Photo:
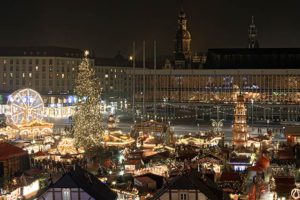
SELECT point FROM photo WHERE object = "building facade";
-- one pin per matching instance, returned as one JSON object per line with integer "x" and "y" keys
{"x": 49, "y": 70}
{"x": 268, "y": 79}
{"x": 78, "y": 184}
{"x": 190, "y": 186}
{"x": 52, "y": 72}
{"x": 273, "y": 93}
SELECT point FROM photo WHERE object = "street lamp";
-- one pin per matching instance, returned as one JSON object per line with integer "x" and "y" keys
{"x": 252, "y": 113}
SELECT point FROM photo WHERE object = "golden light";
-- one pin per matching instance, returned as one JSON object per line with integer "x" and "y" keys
{"x": 86, "y": 53}
{"x": 130, "y": 58}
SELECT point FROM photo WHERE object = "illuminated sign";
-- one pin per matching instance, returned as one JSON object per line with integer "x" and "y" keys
{"x": 33, "y": 187}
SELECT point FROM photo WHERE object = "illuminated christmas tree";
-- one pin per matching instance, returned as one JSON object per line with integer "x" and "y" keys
{"x": 88, "y": 129}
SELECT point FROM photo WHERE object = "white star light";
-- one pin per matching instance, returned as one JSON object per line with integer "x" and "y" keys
{"x": 86, "y": 53}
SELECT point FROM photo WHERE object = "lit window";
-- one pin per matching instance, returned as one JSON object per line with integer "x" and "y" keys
{"x": 73, "y": 69}
{"x": 106, "y": 75}
{"x": 184, "y": 196}
{"x": 30, "y": 75}
{"x": 11, "y": 75}
{"x": 36, "y": 68}
{"x": 23, "y": 75}
{"x": 4, "y": 62}
{"x": 66, "y": 194}
{"x": 62, "y": 75}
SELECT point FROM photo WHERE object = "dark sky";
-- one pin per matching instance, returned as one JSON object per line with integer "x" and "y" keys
{"x": 112, "y": 25}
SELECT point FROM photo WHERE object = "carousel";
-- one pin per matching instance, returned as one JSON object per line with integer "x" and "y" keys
{"x": 25, "y": 115}
{"x": 114, "y": 137}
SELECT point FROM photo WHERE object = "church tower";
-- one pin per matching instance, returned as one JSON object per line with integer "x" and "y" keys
{"x": 252, "y": 33}
{"x": 240, "y": 129}
{"x": 183, "y": 40}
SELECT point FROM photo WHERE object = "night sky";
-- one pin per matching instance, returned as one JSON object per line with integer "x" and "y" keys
{"x": 112, "y": 25}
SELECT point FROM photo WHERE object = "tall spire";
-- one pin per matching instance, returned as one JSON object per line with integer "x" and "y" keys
{"x": 183, "y": 38}
{"x": 252, "y": 33}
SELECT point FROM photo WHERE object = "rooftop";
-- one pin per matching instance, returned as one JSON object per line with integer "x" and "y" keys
{"x": 255, "y": 58}
{"x": 230, "y": 177}
{"x": 42, "y": 51}
{"x": 9, "y": 151}
{"x": 240, "y": 159}
{"x": 80, "y": 178}
{"x": 192, "y": 181}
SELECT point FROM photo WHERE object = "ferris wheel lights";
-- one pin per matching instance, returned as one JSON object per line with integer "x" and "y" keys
{"x": 26, "y": 105}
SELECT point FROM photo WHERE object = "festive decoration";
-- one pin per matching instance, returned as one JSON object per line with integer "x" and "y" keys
{"x": 295, "y": 193}
{"x": 217, "y": 125}
{"x": 87, "y": 128}
{"x": 117, "y": 139}
{"x": 240, "y": 129}
{"x": 66, "y": 146}
{"x": 25, "y": 106}
{"x": 25, "y": 116}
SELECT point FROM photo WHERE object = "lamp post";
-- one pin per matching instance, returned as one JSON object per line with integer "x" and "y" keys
{"x": 252, "y": 101}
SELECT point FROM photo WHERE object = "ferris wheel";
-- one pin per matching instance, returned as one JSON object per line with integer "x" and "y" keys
{"x": 25, "y": 105}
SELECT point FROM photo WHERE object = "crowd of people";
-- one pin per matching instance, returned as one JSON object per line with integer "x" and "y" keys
{"x": 58, "y": 166}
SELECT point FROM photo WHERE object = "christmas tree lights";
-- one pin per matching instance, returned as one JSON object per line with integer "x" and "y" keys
{"x": 88, "y": 129}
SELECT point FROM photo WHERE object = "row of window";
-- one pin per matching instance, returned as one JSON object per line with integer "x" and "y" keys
{"x": 50, "y": 68}
{"x": 107, "y": 71}
{"x": 37, "y": 83}
{"x": 42, "y": 61}
{"x": 29, "y": 75}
